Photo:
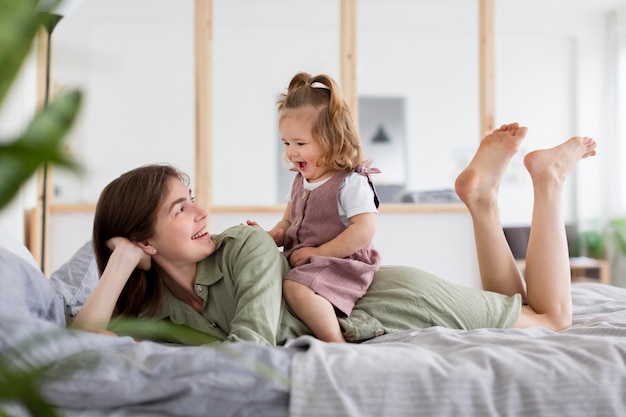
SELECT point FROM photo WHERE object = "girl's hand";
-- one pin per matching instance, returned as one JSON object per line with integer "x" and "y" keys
{"x": 299, "y": 256}
{"x": 277, "y": 234}
{"x": 143, "y": 260}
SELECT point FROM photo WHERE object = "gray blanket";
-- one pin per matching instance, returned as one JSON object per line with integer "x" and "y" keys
{"x": 97, "y": 375}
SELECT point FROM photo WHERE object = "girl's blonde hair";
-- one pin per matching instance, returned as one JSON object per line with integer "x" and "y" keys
{"x": 334, "y": 128}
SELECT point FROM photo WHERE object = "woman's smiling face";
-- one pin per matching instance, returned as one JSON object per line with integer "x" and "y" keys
{"x": 181, "y": 234}
{"x": 301, "y": 149}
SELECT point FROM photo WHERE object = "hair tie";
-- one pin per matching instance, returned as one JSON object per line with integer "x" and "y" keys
{"x": 318, "y": 84}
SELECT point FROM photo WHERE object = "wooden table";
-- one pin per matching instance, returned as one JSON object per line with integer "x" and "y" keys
{"x": 583, "y": 269}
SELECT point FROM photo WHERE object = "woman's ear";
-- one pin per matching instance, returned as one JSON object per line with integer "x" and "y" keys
{"x": 147, "y": 248}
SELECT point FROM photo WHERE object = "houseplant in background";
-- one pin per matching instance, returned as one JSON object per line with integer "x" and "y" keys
{"x": 42, "y": 140}
{"x": 605, "y": 240}
{"x": 40, "y": 143}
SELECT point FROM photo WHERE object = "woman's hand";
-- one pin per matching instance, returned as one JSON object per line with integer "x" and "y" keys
{"x": 98, "y": 308}
{"x": 144, "y": 261}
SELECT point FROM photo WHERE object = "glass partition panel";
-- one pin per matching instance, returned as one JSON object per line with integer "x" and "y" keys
{"x": 424, "y": 54}
{"x": 134, "y": 61}
{"x": 258, "y": 46}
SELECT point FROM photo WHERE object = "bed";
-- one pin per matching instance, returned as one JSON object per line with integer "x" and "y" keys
{"x": 424, "y": 372}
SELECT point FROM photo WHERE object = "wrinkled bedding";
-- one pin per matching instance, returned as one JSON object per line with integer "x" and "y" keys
{"x": 489, "y": 372}
{"x": 429, "y": 372}
{"x": 95, "y": 375}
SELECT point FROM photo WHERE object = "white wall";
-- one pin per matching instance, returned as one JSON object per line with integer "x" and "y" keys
{"x": 550, "y": 75}
{"x": 417, "y": 240}
{"x": 16, "y": 113}
{"x": 134, "y": 61}
{"x": 441, "y": 243}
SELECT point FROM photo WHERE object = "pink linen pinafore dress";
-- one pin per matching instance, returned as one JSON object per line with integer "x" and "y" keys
{"x": 315, "y": 220}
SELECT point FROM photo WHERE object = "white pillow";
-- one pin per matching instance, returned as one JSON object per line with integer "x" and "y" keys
{"x": 10, "y": 243}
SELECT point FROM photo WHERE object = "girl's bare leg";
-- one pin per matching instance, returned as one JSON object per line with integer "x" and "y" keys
{"x": 477, "y": 186}
{"x": 314, "y": 310}
{"x": 548, "y": 273}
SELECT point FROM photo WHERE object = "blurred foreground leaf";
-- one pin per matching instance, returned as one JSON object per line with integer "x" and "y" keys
{"x": 42, "y": 142}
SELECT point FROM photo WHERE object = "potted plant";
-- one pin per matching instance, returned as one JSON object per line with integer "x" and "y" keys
{"x": 20, "y": 157}
{"x": 606, "y": 240}
{"x": 42, "y": 141}
{"x": 603, "y": 239}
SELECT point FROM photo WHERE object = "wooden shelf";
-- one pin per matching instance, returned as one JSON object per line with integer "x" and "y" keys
{"x": 583, "y": 269}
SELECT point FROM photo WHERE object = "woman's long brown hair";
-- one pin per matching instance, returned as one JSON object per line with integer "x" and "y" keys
{"x": 128, "y": 208}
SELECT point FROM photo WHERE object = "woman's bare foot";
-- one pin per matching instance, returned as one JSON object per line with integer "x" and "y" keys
{"x": 556, "y": 163}
{"x": 478, "y": 183}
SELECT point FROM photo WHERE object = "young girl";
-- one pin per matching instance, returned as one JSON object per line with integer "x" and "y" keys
{"x": 330, "y": 220}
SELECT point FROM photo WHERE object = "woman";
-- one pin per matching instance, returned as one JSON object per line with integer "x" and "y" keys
{"x": 158, "y": 260}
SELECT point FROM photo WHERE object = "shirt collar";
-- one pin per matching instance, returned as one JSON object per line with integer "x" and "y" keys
{"x": 209, "y": 272}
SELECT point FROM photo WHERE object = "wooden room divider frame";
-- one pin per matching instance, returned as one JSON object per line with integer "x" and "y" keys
{"x": 203, "y": 22}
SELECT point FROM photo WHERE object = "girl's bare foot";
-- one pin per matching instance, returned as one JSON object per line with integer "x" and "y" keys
{"x": 556, "y": 163}
{"x": 479, "y": 182}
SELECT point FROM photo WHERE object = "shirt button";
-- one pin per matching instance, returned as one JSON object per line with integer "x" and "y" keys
{"x": 379, "y": 332}
{"x": 304, "y": 194}
{"x": 198, "y": 288}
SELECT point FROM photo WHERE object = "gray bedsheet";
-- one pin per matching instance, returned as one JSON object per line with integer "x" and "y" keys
{"x": 506, "y": 372}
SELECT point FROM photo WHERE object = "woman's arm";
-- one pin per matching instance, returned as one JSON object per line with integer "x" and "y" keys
{"x": 96, "y": 313}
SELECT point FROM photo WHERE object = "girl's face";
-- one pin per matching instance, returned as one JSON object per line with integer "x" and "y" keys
{"x": 304, "y": 152}
{"x": 180, "y": 236}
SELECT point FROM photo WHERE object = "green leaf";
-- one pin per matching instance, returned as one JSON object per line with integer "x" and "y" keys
{"x": 20, "y": 379}
{"x": 41, "y": 143}
{"x": 619, "y": 232}
{"x": 594, "y": 241}
{"x": 161, "y": 331}
{"x": 19, "y": 23}
{"x": 23, "y": 387}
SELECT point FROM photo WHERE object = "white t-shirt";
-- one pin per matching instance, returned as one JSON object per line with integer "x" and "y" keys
{"x": 355, "y": 196}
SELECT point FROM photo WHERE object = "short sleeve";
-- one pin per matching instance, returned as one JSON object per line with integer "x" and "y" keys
{"x": 356, "y": 196}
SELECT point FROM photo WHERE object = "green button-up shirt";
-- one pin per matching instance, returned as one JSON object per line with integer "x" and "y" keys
{"x": 241, "y": 288}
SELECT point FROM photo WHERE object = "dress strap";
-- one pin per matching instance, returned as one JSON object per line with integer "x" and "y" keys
{"x": 366, "y": 171}
{"x": 363, "y": 170}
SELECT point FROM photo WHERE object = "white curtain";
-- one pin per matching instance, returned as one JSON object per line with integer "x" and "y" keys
{"x": 616, "y": 78}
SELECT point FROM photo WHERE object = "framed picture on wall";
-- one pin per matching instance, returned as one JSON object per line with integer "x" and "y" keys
{"x": 383, "y": 137}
